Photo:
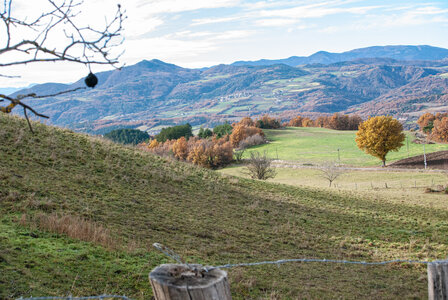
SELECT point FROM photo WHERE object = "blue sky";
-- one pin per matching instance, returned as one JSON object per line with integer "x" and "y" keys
{"x": 199, "y": 33}
{"x": 203, "y": 33}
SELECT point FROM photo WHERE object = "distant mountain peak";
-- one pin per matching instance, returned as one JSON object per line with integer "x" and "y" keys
{"x": 156, "y": 64}
{"x": 397, "y": 52}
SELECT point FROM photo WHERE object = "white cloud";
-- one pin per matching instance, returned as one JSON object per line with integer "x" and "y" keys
{"x": 174, "y": 6}
{"x": 411, "y": 17}
{"x": 205, "y": 21}
{"x": 275, "y": 22}
{"x": 176, "y": 48}
{"x": 137, "y": 26}
{"x": 314, "y": 11}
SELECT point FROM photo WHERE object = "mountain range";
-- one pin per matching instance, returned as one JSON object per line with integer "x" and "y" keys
{"x": 402, "y": 81}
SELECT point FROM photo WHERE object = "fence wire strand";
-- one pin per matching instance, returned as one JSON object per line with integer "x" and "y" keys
{"x": 77, "y": 298}
{"x": 172, "y": 254}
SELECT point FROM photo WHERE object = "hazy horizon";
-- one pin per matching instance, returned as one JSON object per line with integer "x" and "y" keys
{"x": 199, "y": 34}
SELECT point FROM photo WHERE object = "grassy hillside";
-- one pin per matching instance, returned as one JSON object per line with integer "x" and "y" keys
{"x": 315, "y": 145}
{"x": 58, "y": 187}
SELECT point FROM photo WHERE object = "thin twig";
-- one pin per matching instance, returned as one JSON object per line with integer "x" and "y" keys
{"x": 28, "y": 120}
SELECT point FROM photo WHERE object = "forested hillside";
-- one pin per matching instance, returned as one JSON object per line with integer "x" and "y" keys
{"x": 153, "y": 94}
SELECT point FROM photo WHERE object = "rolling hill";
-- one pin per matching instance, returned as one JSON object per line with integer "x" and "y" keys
{"x": 410, "y": 53}
{"x": 57, "y": 182}
{"x": 152, "y": 94}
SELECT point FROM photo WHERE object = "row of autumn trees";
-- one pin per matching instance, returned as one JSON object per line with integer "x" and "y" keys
{"x": 336, "y": 122}
{"x": 210, "y": 149}
{"x": 436, "y": 126}
{"x": 216, "y": 148}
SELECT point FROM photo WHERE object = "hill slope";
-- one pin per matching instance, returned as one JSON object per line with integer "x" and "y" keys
{"x": 135, "y": 199}
{"x": 392, "y": 52}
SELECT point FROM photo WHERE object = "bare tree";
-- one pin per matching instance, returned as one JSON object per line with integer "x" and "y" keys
{"x": 259, "y": 166}
{"x": 55, "y": 35}
{"x": 331, "y": 171}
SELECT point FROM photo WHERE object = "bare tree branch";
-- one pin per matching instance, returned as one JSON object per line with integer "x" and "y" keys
{"x": 83, "y": 44}
{"x": 36, "y": 46}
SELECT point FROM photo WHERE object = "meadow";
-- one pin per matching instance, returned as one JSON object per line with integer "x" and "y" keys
{"x": 316, "y": 145}
{"x": 388, "y": 185}
{"x": 132, "y": 199}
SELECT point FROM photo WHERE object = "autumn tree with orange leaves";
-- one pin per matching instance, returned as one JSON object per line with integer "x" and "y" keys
{"x": 241, "y": 132}
{"x": 440, "y": 130}
{"x": 180, "y": 148}
{"x": 426, "y": 122}
{"x": 379, "y": 135}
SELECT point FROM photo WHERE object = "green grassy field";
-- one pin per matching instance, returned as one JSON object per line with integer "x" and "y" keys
{"x": 205, "y": 216}
{"x": 315, "y": 145}
{"x": 388, "y": 185}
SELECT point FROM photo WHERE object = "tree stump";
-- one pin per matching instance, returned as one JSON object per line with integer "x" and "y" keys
{"x": 178, "y": 282}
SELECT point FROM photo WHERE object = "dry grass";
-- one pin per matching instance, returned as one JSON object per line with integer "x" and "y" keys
{"x": 72, "y": 226}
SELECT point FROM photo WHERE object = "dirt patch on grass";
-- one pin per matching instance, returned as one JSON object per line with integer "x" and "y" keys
{"x": 436, "y": 160}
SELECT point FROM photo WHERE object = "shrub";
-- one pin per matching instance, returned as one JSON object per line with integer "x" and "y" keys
{"x": 211, "y": 153}
{"x": 153, "y": 144}
{"x": 238, "y": 154}
{"x": 252, "y": 140}
{"x": 241, "y": 132}
{"x": 163, "y": 149}
{"x": 180, "y": 148}
{"x": 259, "y": 166}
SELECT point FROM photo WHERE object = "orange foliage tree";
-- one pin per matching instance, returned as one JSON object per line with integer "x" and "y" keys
{"x": 321, "y": 121}
{"x": 267, "y": 122}
{"x": 336, "y": 122}
{"x": 246, "y": 121}
{"x": 241, "y": 132}
{"x": 296, "y": 122}
{"x": 307, "y": 122}
{"x": 379, "y": 135}
{"x": 180, "y": 148}
{"x": 154, "y": 143}
{"x": 211, "y": 153}
{"x": 440, "y": 130}
{"x": 426, "y": 122}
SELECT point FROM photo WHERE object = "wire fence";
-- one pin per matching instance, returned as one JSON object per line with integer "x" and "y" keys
{"x": 78, "y": 298}
{"x": 170, "y": 253}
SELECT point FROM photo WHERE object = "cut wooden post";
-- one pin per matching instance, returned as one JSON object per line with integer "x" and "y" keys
{"x": 438, "y": 280}
{"x": 178, "y": 282}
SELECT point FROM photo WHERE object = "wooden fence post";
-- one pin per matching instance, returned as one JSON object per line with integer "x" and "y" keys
{"x": 178, "y": 282}
{"x": 438, "y": 280}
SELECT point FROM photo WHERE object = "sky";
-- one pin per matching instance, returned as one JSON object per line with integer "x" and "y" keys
{"x": 203, "y": 33}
